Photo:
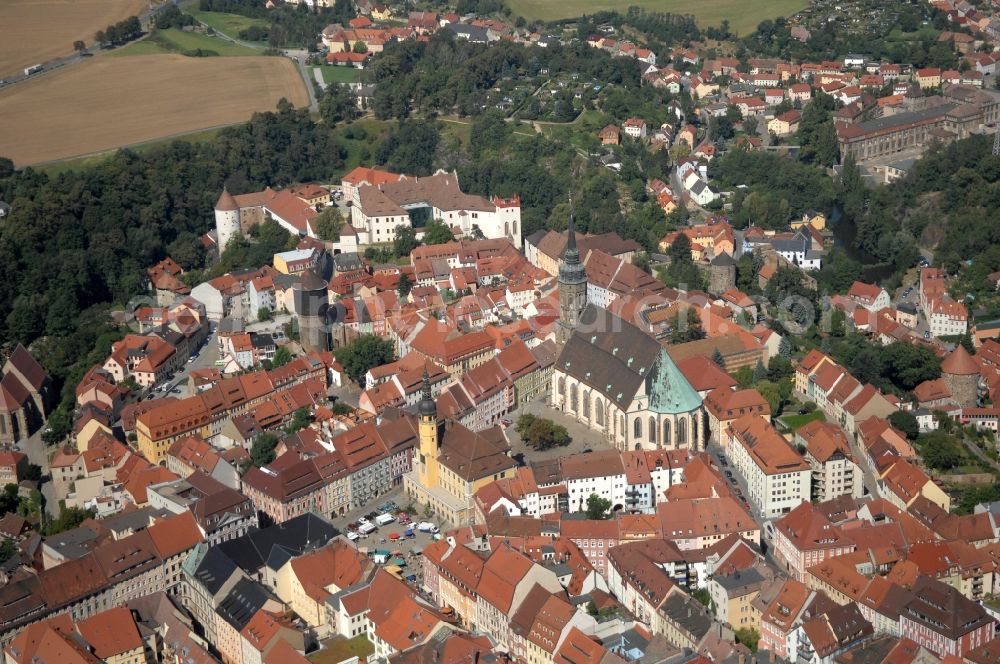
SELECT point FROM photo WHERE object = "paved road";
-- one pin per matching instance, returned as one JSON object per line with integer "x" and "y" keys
{"x": 310, "y": 89}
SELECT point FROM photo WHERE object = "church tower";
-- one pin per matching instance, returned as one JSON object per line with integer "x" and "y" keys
{"x": 428, "y": 432}
{"x": 572, "y": 287}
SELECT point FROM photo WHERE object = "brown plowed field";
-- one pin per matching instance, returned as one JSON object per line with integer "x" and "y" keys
{"x": 112, "y": 102}
{"x": 35, "y": 31}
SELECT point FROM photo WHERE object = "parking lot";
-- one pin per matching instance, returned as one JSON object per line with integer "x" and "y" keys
{"x": 406, "y": 549}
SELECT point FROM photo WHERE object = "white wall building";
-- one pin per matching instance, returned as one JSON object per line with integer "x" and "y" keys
{"x": 413, "y": 201}
{"x": 777, "y": 477}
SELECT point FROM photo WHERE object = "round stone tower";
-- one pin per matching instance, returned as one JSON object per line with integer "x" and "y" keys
{"x": 227, "y": 219}
{"x": 961, "y": 373}
{"x": 721, "y": 274}
{"x": 309, "y": 296}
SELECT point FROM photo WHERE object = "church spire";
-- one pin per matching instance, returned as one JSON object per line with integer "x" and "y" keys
{"x": 572, "y": 284}
{"x": 571, "y": 234}
{"x": 571, "y": 271}
{"x": 427, "y": 406}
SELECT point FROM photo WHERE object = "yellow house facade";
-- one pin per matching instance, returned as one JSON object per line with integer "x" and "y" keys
{"x": 453, "y": 463}
{"x": 810, "y": 218}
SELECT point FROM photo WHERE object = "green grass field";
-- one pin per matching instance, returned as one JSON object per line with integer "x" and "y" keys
{"x": 794, "y": 422}
{"x": 343, "y": 75}
{"x": 177, "y": 41}
{"x": 229, "y": 24}
{"x": 743, "y": 15}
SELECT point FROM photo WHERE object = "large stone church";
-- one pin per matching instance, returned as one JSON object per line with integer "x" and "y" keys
{"x": 614, "y": 378}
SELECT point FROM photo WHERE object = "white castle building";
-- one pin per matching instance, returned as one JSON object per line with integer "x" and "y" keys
{"x": 236, "y": 214}
{"x": 413, "y": 201}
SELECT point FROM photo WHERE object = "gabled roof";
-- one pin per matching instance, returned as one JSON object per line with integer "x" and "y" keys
{"x": 111, "y": 633}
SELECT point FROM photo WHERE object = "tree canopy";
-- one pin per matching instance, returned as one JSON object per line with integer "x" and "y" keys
{"x": 364, "y": 353}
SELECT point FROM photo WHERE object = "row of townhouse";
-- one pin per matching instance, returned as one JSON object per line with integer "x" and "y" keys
{"x": 339, "y": 472}
{"x": 515, "y": 376}
{"x": 168, "y": 336}
{"x": 226, "y": 587}
{"x": 111, "y": 574}
{"x": 205, "y": 413}
{"x": 522, "y": 594}
{"x": 634, "y": 481}
{"x": 838, "y": 394}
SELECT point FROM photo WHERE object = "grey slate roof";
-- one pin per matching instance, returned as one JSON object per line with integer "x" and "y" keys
{"x": 242, "y": 603}
{"x": 214, "y": 570}
{"x": 609, "y": 354}
{"x": 295, "y": 536}
{"x": 688, "y": 613}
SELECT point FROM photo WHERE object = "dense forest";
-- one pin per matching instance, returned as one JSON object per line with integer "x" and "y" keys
{"x": 948, "y": 201}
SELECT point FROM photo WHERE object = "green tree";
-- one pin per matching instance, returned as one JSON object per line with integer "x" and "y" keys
{"x": 749, "y": 637}
{"x": 265, "y": 314}
{"x": 8, "y": 499}
{"x": 301, "y": 418}
{"x": 598, "y": 508}
{"x": 405, "y": 242}
{"x": 262, "y": 450}
{"x": 360, "y": 47}
{"x": 282, "y": 356}
{"x": 524, "y": 423}
{"x": 437, "y": 232}
{"x": 687, "y": 329}
{"x": 940, "y": 450}
{"x": 759, "y": 372}
{"x": 405, "y": 285}
{"x": 743, "y": 377}
{"x": 543, "y": 434}
{"x": 79, "y": 46}
{"x": 718, "y": 359}
{"x": 7, "y": 550}
{"x": 364, "y": 353}
{"x": 328, "y": 224}
{"x": 772, "y": 394}
{"x": 68, "y": 519}
{"x": 906, "y": 422}
{"x": 491, "y": 131}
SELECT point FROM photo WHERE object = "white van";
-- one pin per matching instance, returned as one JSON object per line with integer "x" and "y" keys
{"x": 384, "y": 519}
{"x": 366, "y": 528}
{"x": 427, "y": 527}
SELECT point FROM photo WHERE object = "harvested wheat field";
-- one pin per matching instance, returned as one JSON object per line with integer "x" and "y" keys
{"x": 113, "y": 102}
{"x": 35, "y": 31}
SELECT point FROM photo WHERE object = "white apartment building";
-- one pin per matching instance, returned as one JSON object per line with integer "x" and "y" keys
{"x": 778, "y": 479}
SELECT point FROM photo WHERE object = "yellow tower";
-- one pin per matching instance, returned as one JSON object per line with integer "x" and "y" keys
{"x": 428, "y": 430}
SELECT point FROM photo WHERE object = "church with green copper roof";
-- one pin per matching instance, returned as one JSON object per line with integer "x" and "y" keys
{"x": 621, "y": 382}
